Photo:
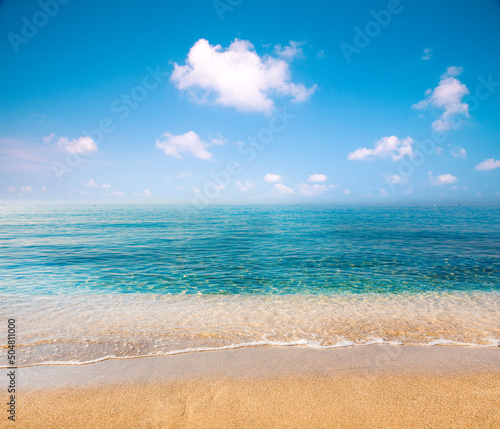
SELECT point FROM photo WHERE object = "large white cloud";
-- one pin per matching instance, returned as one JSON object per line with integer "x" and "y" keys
{"x": 387, "y": 146}
{"x": 189, "y": 142}
{"x": 237, "y": 77}
{"x": 488, "y": 164}
{"x": 448, "y": 97}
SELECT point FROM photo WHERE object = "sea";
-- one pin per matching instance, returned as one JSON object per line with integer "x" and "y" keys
{"x": 86, "y": 283}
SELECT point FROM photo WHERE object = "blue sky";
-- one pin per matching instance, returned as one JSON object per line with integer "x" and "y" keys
{"x": 250, "y": 102}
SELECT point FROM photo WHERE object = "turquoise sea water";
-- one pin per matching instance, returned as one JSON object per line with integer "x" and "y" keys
{"x": 94, "y": 282}
{"x": 249, "y": 249}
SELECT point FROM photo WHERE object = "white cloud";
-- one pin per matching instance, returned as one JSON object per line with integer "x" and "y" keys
{"x": 247, "y": 186}
{"x": 43, "y": 189}
{"x": 387, "y": 146}
{"x": 396, "y": 179}
{"x": 321, "y": 54}
{"x": 93, "y": 184}
{"x": 184, "y": 175}
{"x": 26, "y": 189}
{"x": 383, "y": 192}
{"x": 447, "y": 96}
{"x": 49, "y": 138}
{"x": 288, "y": 53}
{"x": 146, "y": 193}
{"x": 442, "y": 179}
{"x": 316, "y": 189}
{"x": 237, "y": 77}
{"x": 11, "y": 189}
{"x": 488, "y": 164}
{"x": 189, "y": 142}
{"x": 427, "y": 54}
{"x": 269, "y": 177}
{"x": 285, "y": 190}
{"x": 459, "y": 152}
{"x": 317, "y": 178}
{"x": 81, "y": 145}
{"x": 118, "y": 194}
{"x": 346, "y": 191}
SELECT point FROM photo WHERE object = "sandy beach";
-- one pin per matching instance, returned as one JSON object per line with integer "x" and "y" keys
{"x": 270, "y": 387}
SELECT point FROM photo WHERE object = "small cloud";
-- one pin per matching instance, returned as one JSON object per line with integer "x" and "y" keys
{"x": 427, "y": 54}
{"x": 387, "y": 146}
{"x": 11, "y": 189}
{"x": 284, "y": 190}
{"x": 447, "y": 96}
{"x": 247, "y": 186}
{"x": 290, "y": 52}
{"x": 442, "y": 179}
{"x": 81, "y": 145}
{"x": 26, "y": 189}
{"x": 195, "y": 189}
{"x": 488, "y": 164}
{"x": 49, "y": 138}
{"x": 316, "y": 189}
{"x": 408, "y": 191}
{"x": 189, "y": 142}
{"x": 184, "y": 175}
{"x": 118, "y": 194}
{"x": 93, "y": 184}
{"x": 269, "y": 177}
{"x": 459, "y": 152}
{"x": 321, "y": 54}
{"x": 317, "y": 178}
{"x": 396, "y": 179}
{"x": 383, "y": 192}
{"x": 43, "y": 189}
{"x": 346, "y": 191}
{"x": 146, "y": 193}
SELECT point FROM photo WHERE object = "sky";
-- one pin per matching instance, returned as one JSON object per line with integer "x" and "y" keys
{"x": 239, "y": 101}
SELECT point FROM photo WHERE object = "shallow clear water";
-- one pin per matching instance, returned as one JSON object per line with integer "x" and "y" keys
{"x": 89, "y": 282}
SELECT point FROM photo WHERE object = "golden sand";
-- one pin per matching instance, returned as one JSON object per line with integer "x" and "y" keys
{"x": 442, "y": 387}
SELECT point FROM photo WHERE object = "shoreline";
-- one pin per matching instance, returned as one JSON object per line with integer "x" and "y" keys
{"x": 371, "y": 386}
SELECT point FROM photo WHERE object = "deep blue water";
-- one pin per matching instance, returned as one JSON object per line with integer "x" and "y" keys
{"x": 248, "y": 249}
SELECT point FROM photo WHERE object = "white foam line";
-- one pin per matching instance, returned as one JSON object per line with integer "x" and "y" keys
{"x": 310, "y": 344}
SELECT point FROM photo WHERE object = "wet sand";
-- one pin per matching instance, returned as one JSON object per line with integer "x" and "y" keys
{"x": 269, "y": 387}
